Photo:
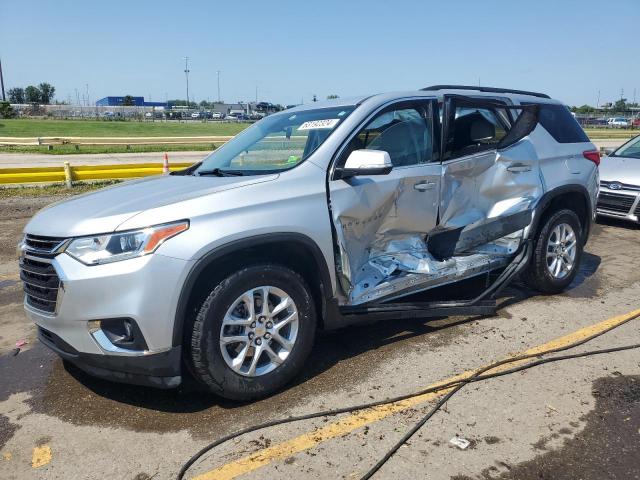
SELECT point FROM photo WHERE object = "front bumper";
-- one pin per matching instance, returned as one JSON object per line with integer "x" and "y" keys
{"x": 144, "y": 289}
{"x": 160, "y": 370}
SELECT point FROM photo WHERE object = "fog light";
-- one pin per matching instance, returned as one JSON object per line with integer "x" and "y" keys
{"x": 123, "y": 333}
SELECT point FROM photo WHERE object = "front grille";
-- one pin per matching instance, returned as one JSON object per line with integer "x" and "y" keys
{"x": 620, "y": 185}
{"x": 45, "y": 247}
{"x": 39, "y": 277}
{"x": 615, "y": 202}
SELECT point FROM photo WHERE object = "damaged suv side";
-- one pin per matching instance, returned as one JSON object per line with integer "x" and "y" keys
{"x": 317, "y": 217}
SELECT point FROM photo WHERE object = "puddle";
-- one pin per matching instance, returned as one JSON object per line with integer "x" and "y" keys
{"x": 607, "y": 447}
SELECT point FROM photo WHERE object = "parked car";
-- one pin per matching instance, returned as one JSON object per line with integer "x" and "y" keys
{"x": 636, "y": 122}
{"x": 618, "y": 122}
{"x": 620, "y": 182}
{"x": 318, "y": 217}
{"x": 217, "y": 115}
{"x": 195, "y": 115}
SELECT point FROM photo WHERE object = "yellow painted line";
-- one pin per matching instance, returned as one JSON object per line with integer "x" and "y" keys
{"x": 41, "y": 456}
{"x": 359, "y": 419}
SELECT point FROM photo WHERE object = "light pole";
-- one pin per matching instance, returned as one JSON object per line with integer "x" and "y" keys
{"x": 186, "y": 73}
{"x": 218, "y": 86}
{"x": 4, "y": 98}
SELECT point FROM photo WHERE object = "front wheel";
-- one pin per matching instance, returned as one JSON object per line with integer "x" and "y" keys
{"x": 253, "y": 332}
{"x": 557, "y": 253}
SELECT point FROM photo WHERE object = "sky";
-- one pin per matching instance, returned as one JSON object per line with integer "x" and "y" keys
{"x": 291, "y": 50}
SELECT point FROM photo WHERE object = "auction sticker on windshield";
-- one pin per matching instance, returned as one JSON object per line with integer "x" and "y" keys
{"x": 316, "y": 124}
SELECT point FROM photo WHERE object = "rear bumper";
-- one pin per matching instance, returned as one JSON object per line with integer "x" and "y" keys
{"x": 159, "y": 370}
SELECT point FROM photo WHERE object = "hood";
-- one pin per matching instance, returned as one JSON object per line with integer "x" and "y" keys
{"x": 103, "y": 210}
{"x": 620, "y": 169}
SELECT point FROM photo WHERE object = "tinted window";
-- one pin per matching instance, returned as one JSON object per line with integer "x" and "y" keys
{"x": 475, "y": 130}
{"x": 558, "y": 121}
{"x": 404, "y": 133}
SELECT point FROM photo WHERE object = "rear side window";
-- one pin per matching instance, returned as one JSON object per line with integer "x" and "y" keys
{"x": 558, "y": 121}
{"x": 475, "y": 129}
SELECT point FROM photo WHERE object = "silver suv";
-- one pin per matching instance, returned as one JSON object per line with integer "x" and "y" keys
{"x": 317, "y": 217}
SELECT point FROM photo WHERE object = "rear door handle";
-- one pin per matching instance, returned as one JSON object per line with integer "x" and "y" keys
{"x": 424, "y": 186}
{"x": 519, "y": 167}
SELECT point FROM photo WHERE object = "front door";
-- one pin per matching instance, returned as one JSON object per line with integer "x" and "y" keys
{"x": 370, "y": 212}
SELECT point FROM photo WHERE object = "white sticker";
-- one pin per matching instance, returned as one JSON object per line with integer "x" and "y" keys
{"x": 316, "y": 124}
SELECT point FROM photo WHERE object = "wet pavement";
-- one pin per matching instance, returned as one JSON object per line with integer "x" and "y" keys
{"x": 578, "y": 419}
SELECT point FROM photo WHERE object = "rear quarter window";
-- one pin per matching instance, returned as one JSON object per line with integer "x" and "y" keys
{"x": 561, "y": 125}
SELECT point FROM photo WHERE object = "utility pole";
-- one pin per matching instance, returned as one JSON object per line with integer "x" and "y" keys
{"x": 186, "y": 73}
{"x": 87, "y": 85}
{"x": 256, "y": 94}
{"x": 598, "y": 102}
{"x": 4, "y": 98}
{"x": 218, "y": 71}
{"x": 77, "y": 97}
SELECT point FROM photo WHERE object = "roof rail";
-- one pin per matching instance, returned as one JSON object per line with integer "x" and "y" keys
{"x": 484, "y": 89}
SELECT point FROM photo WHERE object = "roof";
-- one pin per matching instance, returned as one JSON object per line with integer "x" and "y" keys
{"x": 485, "y": 89}
{"x": 430, "y": 92}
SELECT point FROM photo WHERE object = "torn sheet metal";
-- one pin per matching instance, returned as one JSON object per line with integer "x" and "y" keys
{"x": 373, "y": 286}
{"x": 405, "y": 265}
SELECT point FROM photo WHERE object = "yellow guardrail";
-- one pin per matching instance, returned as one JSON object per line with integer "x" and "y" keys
{"x": 68, "y": 173}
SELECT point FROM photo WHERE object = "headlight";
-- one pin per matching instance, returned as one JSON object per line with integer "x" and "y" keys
{"x": 98, "y": 249}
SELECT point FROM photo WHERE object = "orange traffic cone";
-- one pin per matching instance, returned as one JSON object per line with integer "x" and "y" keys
{"x": 165, "y": 164}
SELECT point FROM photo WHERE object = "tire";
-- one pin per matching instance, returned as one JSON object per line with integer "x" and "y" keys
{"x": 540, "y": 274}
{"x": 210, "y": 363}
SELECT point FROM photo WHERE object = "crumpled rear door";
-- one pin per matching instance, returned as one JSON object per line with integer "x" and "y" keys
{"x": 490, "y": 174}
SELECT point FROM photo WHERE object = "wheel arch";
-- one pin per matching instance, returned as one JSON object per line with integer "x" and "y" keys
{"x": 575, "y": 197}
{"x": 294, "y": 250}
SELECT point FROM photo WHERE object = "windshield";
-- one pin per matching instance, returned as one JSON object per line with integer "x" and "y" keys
{"x": 631, "y": 149}
{"x": 275, "y": 143}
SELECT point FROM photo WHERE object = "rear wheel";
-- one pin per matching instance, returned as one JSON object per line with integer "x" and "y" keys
{"x": 557, "y": 253}
{"x": 253, "y": 332}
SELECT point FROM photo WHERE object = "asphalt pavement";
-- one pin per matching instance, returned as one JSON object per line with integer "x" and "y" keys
{"x": 574, "y": 419}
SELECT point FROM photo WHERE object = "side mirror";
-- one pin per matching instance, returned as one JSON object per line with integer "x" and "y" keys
{"x": 365, "y": 162}
{"x": 608, "y": 150}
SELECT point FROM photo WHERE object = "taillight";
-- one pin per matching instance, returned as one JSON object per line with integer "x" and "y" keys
{"x": 593, "y": 155}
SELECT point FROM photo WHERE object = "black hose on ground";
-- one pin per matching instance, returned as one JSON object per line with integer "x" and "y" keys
{"x": 457, "y": 386}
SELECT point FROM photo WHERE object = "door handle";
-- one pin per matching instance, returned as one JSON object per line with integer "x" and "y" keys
{"x": 424, "y": 186}
{"x": 519, "y": 167}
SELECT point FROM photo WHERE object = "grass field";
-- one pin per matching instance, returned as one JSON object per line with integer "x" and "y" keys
{"x": 102, "y": 128}
{"x": 612, "y": 133}
{"x": 82, "y": 149}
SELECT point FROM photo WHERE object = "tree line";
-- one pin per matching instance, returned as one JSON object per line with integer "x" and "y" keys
{"x": 42, "y": 94}
{"x": 619, "y": 106}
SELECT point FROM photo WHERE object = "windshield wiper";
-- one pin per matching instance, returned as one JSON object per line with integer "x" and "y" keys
{"x": 218, "y": 172}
